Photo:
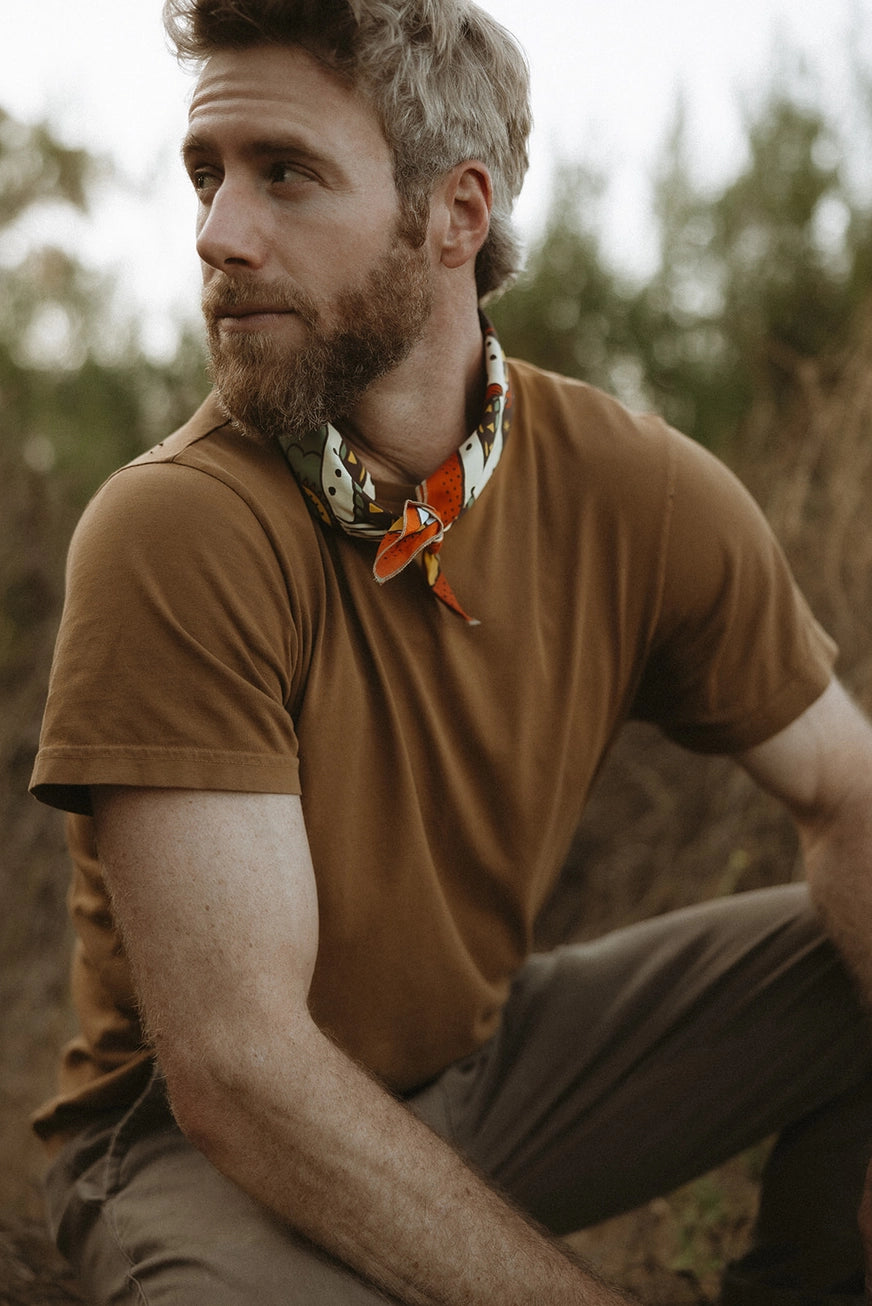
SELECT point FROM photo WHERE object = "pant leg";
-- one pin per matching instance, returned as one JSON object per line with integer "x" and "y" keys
{"x": 806, "y": 1241}
{"x": 145, "y": 1219}
{"x": 629, "y": 1065}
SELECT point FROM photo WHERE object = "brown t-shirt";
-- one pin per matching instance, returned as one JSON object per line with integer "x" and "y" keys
{"x": 216, "y": 636}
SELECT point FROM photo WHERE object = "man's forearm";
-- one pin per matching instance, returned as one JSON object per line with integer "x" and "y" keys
{"x": 354, "y": 1171}
{"x": 216, "y": 895}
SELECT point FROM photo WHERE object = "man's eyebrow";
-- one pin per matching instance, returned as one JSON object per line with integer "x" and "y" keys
{"x": 268, "y": 147}
{"x": 193, "y": 145}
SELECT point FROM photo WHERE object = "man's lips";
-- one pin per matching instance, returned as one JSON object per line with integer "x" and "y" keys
{"x": 252, "y": 315}
{"x": 230, "y": 306}
{"x": 250, "y": 310}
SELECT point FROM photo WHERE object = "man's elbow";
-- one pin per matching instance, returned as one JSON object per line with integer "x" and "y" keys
{"x": 201, "y": 1089}
{"x": 215, "y": 1086}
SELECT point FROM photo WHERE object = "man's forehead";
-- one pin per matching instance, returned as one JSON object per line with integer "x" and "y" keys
{"x": 273, "y": 92}
{"x": 278, "y": 76}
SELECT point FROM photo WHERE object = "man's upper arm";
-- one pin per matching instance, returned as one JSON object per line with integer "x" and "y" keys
{"x": 215, "y": 896}
{"x": 819, "y": 764}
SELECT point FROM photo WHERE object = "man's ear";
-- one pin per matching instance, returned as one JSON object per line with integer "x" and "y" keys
{"x": 464, "y": 198}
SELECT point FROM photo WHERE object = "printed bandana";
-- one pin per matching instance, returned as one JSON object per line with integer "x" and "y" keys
{"x": 340, "y": 491}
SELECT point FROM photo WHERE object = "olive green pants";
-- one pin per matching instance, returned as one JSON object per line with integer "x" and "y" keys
{"x": 622, "y": 1068}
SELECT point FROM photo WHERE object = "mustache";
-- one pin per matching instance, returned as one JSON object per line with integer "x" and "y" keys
{"x": 224, "y": 295}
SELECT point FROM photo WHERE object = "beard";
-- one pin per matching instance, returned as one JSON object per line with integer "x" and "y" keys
{"x": 266, "y": 386}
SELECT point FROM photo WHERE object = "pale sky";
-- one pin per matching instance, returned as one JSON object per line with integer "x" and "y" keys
{"x": 606, "y": 74}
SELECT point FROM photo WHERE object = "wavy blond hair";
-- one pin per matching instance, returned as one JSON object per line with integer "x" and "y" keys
{"x": 447, "y": 81}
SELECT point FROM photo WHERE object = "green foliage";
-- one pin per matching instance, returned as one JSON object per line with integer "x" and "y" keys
{"x": 78, "y": 395}
{"x": 568, "y": 310}
{"x": 750, "y": 281}
{"x": 36, "y": 168}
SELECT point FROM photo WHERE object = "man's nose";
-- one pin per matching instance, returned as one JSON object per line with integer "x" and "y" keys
{"x": 230, "y": 231}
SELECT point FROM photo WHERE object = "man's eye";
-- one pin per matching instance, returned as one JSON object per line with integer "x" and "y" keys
{"x": 282, "y": 173}
{"x": 203, "y": 179}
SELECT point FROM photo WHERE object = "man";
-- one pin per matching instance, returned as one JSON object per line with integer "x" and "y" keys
{"x": 326, "y": 724}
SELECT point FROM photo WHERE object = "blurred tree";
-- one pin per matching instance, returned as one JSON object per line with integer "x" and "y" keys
{"x": 750, "y": 280}
{"x": 36, "y": 168}
{"x": 567, "y": 310}
{"x": 79, "y": 394}
{"x": 695, "y": 374}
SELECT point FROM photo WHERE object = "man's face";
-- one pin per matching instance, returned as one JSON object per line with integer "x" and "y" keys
{"x": 311, "y": 291}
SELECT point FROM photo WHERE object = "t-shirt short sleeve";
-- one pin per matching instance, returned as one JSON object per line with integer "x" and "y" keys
{"x": 737, "y": 654}
{"x": 175, "y": 656}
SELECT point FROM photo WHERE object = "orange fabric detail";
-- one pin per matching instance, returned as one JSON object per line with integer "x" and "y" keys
{"x": 417, "y": 529}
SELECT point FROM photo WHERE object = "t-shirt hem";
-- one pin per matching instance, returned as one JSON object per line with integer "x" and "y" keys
{"x": 758, "y": 726}
{"x": 63, "y": 776}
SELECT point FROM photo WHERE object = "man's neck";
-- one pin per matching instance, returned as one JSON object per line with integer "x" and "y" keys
{"x": 411, "y": 420}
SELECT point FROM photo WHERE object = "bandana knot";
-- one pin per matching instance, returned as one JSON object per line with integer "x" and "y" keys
{"x": 420, "y": 527}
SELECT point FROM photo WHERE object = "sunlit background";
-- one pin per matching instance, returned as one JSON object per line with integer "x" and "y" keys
{"x": 607, "y": 78}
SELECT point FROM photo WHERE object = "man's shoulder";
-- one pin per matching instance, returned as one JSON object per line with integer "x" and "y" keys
{"x": 208, "y": 419}
{"x": 544, "y": 397}
{"x": 205, "y": 482}
{"x": 599, "y": 431}
{"x": 577, "y": 432}
{"x": 202, "y": 460}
